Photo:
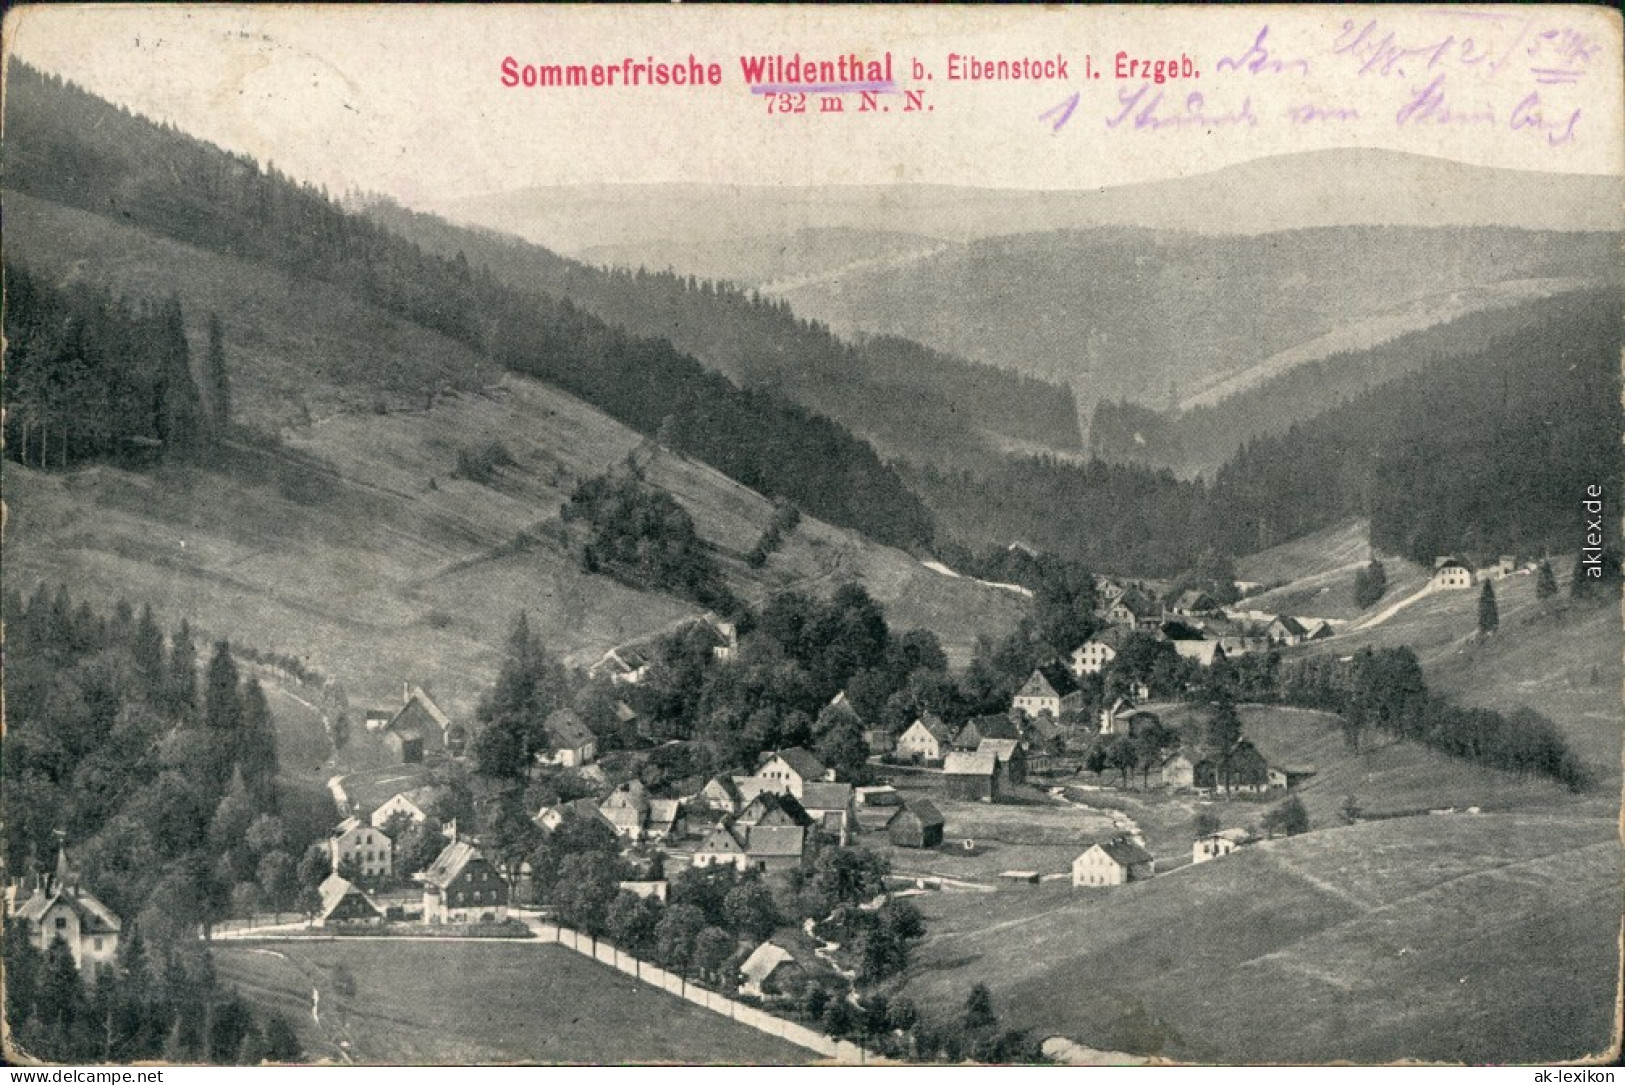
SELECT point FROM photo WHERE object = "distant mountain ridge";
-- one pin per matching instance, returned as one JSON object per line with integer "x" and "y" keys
{"x": 1285, "y": 192}
{"x": 1153, "y": 316}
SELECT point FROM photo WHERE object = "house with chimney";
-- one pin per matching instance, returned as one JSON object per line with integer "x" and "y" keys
{"x": 56, "y": 905}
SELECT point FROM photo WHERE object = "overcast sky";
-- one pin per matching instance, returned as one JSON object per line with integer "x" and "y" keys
{"x": 408, "y": 101}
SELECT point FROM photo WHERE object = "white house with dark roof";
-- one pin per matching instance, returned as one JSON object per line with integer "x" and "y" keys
{"x": 570, "y": 742}
{"x": 627, "y": 809}
{"x": 59, "y": 907}
{"x": 625, "y": 665}
{"x": 1113, "y": 862}
{"x": 790, "y": 771}
{"x": 1092, "y": 656}
{"x": 1287, "y": 630}
{"x": 1049, "y": 689}
{"x": 927, "y": 739}
{"x": 723, "y": 847}
{"x": 1452, "y": 574}
{"x": 1221, "y": 843}
{"x": 551, "y": 817}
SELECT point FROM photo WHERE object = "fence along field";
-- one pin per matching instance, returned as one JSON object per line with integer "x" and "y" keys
{"x": 461, "y": 1001}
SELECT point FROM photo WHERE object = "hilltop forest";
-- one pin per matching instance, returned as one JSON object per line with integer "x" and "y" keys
{"x": 75, "y": 149}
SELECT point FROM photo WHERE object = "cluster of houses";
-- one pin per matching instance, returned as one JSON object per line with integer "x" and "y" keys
{"x": 628, "y": 664}
{"x": 419, "y": 732}
{"x": 460, "y": 886}
{"x": 765, "y": 820}
{"x": 1194, "y": 623}
{"x": 981, "y": 760}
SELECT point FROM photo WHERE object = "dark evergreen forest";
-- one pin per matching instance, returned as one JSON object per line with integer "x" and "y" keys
{"x": 163, "y": 785}
{"x": 90, "y": 376}
{"x": 1487, "y": 452}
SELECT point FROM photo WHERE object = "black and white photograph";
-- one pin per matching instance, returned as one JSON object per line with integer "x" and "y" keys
{"x": 781, "y": 536}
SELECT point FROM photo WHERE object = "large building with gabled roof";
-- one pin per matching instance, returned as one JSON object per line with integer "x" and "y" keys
{"x": 59, "y": 907}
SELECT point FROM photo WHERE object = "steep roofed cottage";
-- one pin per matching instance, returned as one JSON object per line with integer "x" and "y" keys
{"x": 417, "y": 731}
{"x": 927, "y": 739}
{"x": 345, "y": 904}
{"x": 1051, "y": 688}
{"x": 463, "y": 886}
{"x": 570, "y": 742}
{"x": 791, "y": 770}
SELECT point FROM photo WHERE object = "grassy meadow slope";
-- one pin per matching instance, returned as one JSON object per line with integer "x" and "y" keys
{"x": 1313, "y": 576}
{"x": 459, "y": 1002}
{"x": 1474, "y": 939}
{"x": 350, "y": 545}
{"x": 1560, "y": 659}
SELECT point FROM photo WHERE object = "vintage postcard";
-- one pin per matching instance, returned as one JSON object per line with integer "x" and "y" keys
{"x": 941, "y": 535}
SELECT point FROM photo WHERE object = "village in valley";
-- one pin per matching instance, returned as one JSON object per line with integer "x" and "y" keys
{"x": 793, "y": 880}
{"x": 432, "y": 637}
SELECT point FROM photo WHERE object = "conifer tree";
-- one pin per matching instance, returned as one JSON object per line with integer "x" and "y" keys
{"x": 256, "y": 747}
{"x": 182, "y": 668}
{"x": 1489, "y": 616}
{"x": 222, "y": 714}
{"x": 1545, "y": 581}
{"x": 219, "y": 379}
{"x": 529, "y": 686}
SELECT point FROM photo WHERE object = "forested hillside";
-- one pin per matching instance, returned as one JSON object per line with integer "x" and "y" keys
{"x": 906, "y": 399}
{"x": 72, "y": 148}
{"x": 1486, "y": 452}
{"x": 1203, "y": 437}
